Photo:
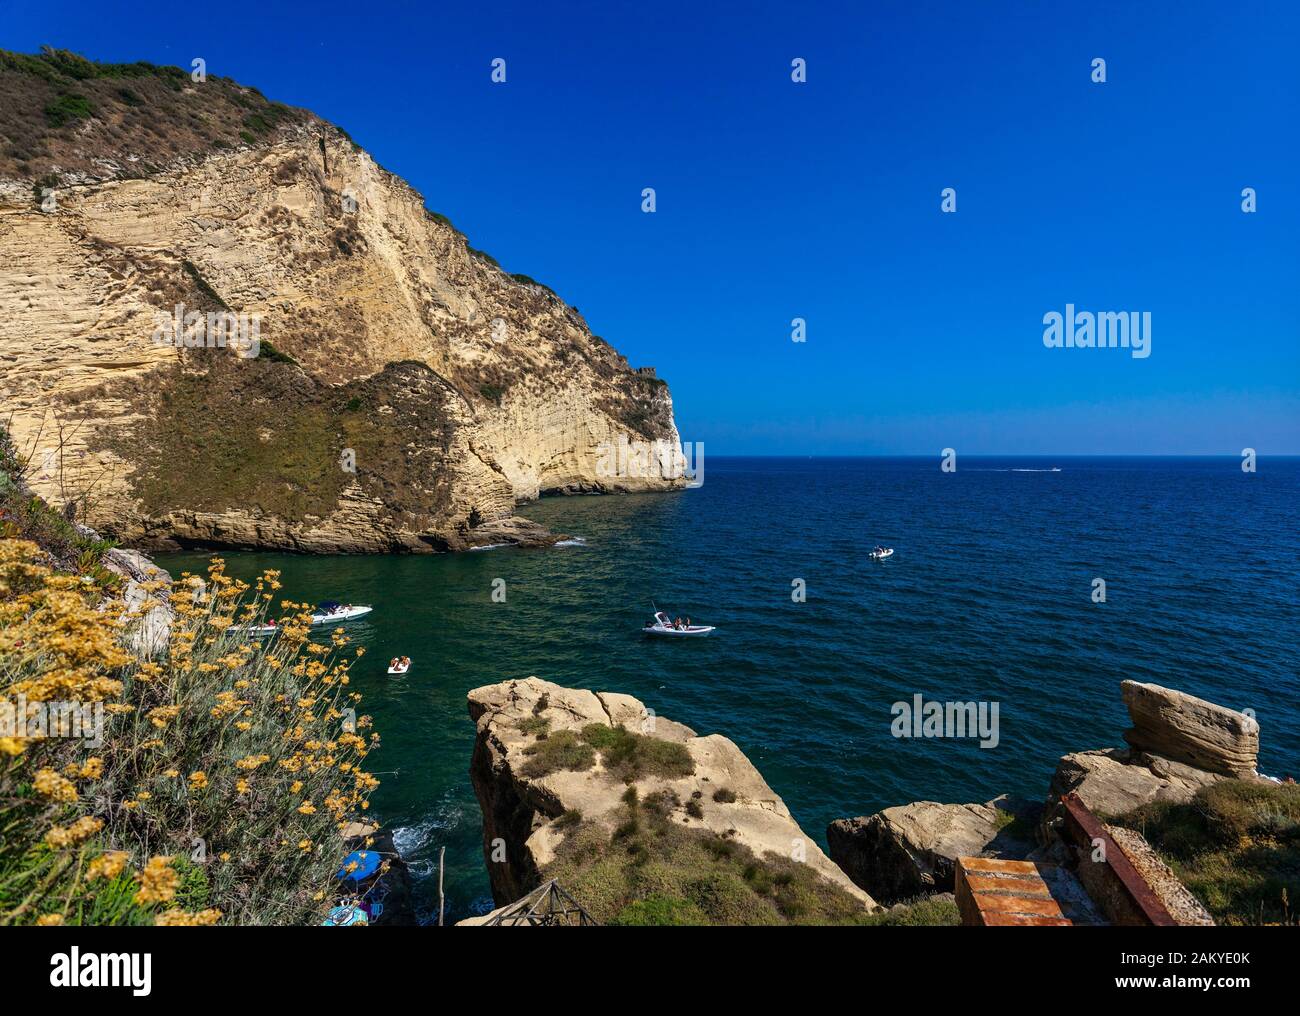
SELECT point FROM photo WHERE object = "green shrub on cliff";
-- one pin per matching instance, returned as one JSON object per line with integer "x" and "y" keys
{"x": 561, "y": 750}
{"x": 632, "y": 756}
{"x": 625, "y": 755}
{"x": 46, "y": 97}
{"x": 66, "y": 108}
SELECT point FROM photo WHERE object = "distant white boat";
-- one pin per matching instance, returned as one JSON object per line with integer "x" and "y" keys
{"x": 881, "y": 553}
{"x": 331, "y": 612}
{"x": 401, "y": 668}
{"x": 663, "y": 625}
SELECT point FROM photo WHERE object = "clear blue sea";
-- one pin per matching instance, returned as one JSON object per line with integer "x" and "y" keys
{"x": 989, "y": 596}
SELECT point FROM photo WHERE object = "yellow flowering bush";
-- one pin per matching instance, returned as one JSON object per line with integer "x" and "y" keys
{"x": 225, "y": 767}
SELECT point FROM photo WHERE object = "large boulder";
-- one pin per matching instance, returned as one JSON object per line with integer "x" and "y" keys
{"x": 908, "y": 851}
{"x": 1182, "y": 728}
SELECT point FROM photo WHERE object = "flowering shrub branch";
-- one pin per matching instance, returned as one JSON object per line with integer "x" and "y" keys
{"x": 223, "y": 773}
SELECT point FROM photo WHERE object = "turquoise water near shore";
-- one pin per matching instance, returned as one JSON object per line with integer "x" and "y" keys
{"x": 988, "y": 598}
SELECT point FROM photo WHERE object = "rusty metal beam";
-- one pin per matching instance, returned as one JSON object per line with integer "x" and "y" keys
{"x": 1086, "y": 830}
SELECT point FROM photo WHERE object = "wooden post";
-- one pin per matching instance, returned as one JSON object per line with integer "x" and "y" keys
{"x": 441, "y": 902}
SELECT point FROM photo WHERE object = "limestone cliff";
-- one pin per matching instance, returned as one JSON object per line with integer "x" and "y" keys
{"x": 639, "y": 816}
{"x": 400, "y": 391}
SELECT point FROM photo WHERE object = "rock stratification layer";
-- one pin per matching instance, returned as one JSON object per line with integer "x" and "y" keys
{"x": 1191, "y": 731}
{"x": 407, "y": 393}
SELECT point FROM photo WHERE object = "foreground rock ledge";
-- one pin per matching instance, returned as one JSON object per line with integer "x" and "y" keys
{"x": 519, "y": 810}
{"x": 909, "y": 851}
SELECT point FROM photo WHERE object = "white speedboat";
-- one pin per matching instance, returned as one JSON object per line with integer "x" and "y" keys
{"x": 401, "y": 668}
{"x": 882, "y": 553}
{"x": 331, "y": 612}
{"x": 663, "y": 625}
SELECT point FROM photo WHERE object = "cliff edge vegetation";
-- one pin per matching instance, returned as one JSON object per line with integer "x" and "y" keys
{"x": 1235, "y": 845}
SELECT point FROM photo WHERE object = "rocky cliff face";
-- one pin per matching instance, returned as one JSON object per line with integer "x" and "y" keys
{"x": 393, "y": 390}
{"x": 621, "y": 804}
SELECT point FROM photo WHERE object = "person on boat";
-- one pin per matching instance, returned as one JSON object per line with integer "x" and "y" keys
{"x": 678, "y": 624}
{"x": 392, "y": 664}
{"x": 688, "y": 622}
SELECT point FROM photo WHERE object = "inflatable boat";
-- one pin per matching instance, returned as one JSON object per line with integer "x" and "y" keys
{"x": 663, "y": 625}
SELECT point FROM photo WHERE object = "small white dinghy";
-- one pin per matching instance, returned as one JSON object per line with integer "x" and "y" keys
{"x": 881, "y": 553}
{"x": 259, "y": 630}
{"x": 400, "y": 667}
{"x": 663, "y": 625}
{"x": 331, "y": 612}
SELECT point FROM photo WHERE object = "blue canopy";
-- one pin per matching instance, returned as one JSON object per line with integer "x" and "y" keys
{"x": 367, "y": 862}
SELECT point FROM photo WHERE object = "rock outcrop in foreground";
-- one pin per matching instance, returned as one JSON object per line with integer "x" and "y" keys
{"x": 1178, "y": 745}
{"x": 556, "y": 777}
{"x": 403, "y": 392}
{"x": 901, "y": 853}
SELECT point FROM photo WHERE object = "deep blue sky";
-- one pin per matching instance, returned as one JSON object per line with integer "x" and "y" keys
{"x": 821, "y": 200}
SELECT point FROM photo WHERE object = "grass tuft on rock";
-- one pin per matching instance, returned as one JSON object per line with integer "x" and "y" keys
{"x": 923, "y": 912}
{"x": 631, "y": 756}
{"x": 625, "y": 755}
{"x": 561, "y": 750}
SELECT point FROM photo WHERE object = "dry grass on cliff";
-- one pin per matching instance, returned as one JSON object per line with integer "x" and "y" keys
{"x": 1236, "y": 846}
{"x": 60, "y": 110}
{"x": 251, "y": 436}
{"x": 655, "y": 870}
{"x": 224, "y": 769}
{"x": 265, "y": 436}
